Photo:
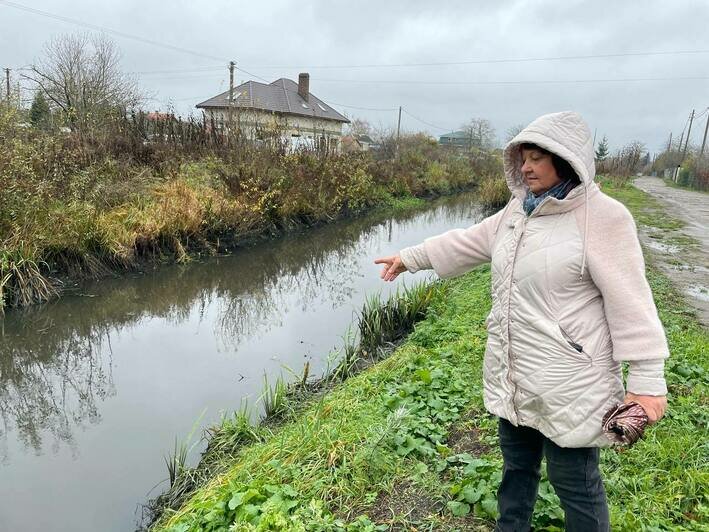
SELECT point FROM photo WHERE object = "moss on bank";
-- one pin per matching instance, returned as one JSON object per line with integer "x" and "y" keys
{"x": 407, "y": 442}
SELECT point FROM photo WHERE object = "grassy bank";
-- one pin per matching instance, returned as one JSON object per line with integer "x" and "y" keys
{"x": 73, "y": 206}
{"x": 407, "y": 443}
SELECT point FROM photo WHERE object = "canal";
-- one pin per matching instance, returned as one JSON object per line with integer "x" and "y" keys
{"x": 96, "y": 387}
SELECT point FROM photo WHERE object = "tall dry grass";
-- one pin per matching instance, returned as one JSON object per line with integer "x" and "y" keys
{"x": 84, "y": 204}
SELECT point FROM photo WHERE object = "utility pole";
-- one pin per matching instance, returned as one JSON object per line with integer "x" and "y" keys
{"x": 594, "y": 137}
{"x": 704, "y": 140}
{"x": 230, "y": 115}
{"x": 398, "y": 132}
{"x": 681, "y": 140}
{"x": 689, "y": 130}
{"x": 669, "y": 144}
{"x": 7, "y": 85}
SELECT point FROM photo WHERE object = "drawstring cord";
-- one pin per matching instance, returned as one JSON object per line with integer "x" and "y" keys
{"x": 585, "y": 229}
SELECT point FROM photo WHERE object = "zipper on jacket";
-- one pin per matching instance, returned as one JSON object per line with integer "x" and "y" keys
{"x": 568, "y": 339}
{"x": 509, "y": 306}
{"x": 574, "y": 345}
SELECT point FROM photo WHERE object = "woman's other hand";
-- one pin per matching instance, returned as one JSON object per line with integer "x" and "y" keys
{"x": 654, "y": 406}
{"x": 393, "y": 266}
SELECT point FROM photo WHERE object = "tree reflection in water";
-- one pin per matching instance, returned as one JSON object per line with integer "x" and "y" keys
{"x": 56, "y": 361}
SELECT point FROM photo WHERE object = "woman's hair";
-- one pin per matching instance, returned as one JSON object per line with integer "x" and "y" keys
{"x": 563, "y": 169}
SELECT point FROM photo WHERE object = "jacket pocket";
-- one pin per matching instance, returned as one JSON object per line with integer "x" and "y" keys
{"x": 575, "y": 346}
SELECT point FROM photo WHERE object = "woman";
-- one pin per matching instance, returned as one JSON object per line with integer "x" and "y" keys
{"x": 570, "y": 302}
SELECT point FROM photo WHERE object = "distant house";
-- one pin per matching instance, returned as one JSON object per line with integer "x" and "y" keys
{"x": 283, "y": 107}
{"x": 352, "y": 143}
{"x": 349, "y": 144}
{"x": 157, "y": 116}
{"x": 456, "y": 139}
{"x": 365, "y": 141}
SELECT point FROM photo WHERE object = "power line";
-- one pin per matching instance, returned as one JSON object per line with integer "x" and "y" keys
{"x": 702, "y": 113}
{"x": 204, "y": 76}
{"x": 507, "y": 82}
{"x": 103, "y": 29}
{"x": 178, "y": 71}
{"x": 362, "y": 108}
{"x": 168, "y": 99}
{"x": 685, "y": 126}
{"x": 380, "y": 65}
{"x": 251, "y": 74}
{"x": 426, "y": 123}
{"x": 490, "y": 61}
{"x": 125, "y": 35}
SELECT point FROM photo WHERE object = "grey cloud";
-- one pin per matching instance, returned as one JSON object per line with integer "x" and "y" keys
{"x": 299, "y": 34}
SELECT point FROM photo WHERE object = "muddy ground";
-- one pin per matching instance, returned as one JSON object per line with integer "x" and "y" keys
{"x": 687, "y": 265}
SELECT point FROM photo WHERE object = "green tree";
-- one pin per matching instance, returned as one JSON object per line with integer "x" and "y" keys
{"x": 39, "y": 112}
{"x": 602, "y": 150}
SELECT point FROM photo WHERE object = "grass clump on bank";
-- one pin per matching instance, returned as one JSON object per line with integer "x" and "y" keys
{"x": 493, "y": 191}
{"x": 407, "y": 443}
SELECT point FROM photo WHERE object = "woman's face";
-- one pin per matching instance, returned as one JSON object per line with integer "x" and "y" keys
{"x": 538, "y": 171}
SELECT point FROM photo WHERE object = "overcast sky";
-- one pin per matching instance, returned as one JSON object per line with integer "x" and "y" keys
{"x": 273, "y": 39}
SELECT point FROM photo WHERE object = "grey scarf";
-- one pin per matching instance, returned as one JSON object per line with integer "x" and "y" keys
{"x": 558, "y": 191}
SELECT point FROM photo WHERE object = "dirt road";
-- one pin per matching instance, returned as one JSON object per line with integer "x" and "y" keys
{"x": 686, "y": 264}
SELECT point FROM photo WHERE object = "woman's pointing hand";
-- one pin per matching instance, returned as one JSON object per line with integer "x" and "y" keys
{"x": 393, "y": 266}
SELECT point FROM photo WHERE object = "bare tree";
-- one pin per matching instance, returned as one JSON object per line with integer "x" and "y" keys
{"x": 81, "y": 77}
{"x": 513, "y": 132}
{"x": 480, "y": 133}
{"x": 359, "y": 126}
{"x": 625, "y": 162}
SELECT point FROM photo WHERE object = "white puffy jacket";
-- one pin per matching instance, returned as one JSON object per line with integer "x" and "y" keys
{"x": 570, "y": 300}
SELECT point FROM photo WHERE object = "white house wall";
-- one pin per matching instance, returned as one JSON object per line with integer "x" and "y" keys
{"x": 292, "y": 125}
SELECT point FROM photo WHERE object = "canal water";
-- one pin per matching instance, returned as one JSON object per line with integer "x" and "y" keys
{"x": 96, "y": 387}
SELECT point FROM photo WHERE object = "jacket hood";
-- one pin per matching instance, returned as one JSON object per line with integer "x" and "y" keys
{"x": 566, "y": 134}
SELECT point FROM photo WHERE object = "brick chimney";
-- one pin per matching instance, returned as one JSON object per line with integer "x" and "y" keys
{"x": 304, "y": 85}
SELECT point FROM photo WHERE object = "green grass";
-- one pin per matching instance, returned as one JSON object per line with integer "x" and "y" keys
{"x": 646, "y": 210}
{"x": 406, "y": 443}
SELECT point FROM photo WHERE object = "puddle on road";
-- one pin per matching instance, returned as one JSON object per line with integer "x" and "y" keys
{"x": 663, "y": 248}
{"x": 690, "y": 268}
{"x": 698, "y": 292}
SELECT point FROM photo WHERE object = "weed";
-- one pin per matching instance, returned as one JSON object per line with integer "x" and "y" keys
{"x": 274, "y": 398}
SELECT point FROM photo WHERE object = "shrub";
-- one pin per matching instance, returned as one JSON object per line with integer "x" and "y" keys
{"x": 84, "y": 203}
{"x": 493, "y": 191}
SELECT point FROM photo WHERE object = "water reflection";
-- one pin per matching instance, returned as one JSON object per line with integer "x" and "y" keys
{"x": 56, "y": 364}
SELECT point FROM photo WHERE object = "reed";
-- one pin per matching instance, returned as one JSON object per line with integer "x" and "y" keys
{"x": 493, "y": 191}
{"x": 274, "y": 398}
{"x": 22, "y": 281}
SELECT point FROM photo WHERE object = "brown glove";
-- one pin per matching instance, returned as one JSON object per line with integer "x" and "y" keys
{"x": 625, "y": 423}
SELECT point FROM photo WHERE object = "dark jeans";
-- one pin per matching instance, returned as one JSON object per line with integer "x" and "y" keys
{"x": 572, "y": 471}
